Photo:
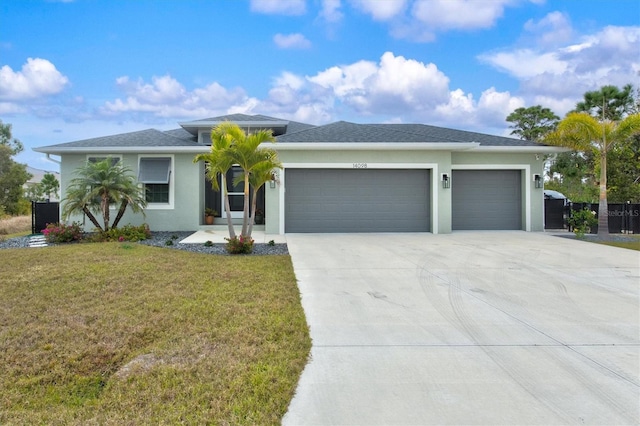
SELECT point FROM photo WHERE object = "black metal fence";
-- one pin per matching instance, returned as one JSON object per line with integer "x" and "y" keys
{"x": 624, "y": 218}
{"x": 43, "y": 213}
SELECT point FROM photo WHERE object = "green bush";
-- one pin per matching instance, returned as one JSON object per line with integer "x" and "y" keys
{"x": 241, "y": 245}
{"x": 582, "y": 220}
{"x": 61, "y": 233}
{"x": 126, "y": 233}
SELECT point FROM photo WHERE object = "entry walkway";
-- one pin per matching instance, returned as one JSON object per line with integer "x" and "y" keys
{"x": 467, "y": 328}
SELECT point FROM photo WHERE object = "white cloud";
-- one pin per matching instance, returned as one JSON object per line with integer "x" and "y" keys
{"x": 330, "y": 11}
{"x": 396, "y": 83}
{"x": 381, "y": 10}
{"x": 459, "y": 14}
{"x": 525, "y": 63}
{"x": 560, "y": 74}
{"x": 552, "y": 30}
{"x": 291, "y": 41}
{"x": 166, "y": 97}
{"x": 38, "y": 78}
{"x": 279, "y": 7}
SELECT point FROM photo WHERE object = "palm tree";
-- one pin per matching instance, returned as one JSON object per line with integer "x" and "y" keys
{"x": 582, "y": 132}
{"x": 218, "y": 162}
{"x": 261, "y": 173}
{"x": 232, "y": 145}
{"x": 100, "y": 184}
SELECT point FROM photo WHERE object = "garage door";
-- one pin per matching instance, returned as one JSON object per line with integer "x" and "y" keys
{"x": 486, "y": 199}
{"x": 360, "y": 200}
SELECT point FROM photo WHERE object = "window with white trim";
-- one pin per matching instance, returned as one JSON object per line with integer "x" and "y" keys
{"x": 115, "y": 159}
{"x": 154, "y": 173}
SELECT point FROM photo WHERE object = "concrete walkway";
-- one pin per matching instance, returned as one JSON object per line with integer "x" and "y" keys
{"x": 467, "y": 328}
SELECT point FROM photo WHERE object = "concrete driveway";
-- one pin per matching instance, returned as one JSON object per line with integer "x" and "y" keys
{"x": 467, "y": 328}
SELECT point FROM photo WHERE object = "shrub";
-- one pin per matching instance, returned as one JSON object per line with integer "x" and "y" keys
{"x": 61, "y": 233}
{"x": 582, "y": 220}
{"x": 271, "y": 243}
{"x": 126, "y": 233}
{"x": 241, "y": 245}
{"x": 208, "y": 244}
{"x": 168, "y": 243}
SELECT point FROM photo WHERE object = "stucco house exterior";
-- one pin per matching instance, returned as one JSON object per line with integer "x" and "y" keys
{"x": 338, "y": 177}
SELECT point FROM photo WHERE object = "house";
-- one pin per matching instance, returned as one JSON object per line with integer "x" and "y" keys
{"x": 338, "y": 177}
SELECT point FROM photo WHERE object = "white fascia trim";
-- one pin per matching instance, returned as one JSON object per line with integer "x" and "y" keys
{"x": 129, "y": 150}
{"x": 523, "y": 149}
{"x": 425, "y": 166}
{"x": 172, "y": 183}
{"x": 527, "y": 183}
{"x": 373, "y": 146}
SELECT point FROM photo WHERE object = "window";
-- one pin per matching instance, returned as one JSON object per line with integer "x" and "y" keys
{"x": 154, "y": 173}
{"x": 115, "y": 159}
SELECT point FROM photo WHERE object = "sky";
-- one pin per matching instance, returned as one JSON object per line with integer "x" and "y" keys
{"x": 76, "y": 69}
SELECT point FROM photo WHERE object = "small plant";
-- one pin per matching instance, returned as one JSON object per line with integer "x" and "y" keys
{"x": 581, "y": 221}
{"x": 208, "y": 243}
{"x": 271, "y": 243}
{"x": 174, "y": 237}
{"x": 168, "y": 243}
{"x": 239, "y": 245}
{"x": 210, "y": 212}
{"x": 126, "y": 233}
{"x": 61, "y": 233}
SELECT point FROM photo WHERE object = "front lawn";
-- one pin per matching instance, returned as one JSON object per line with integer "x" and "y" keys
{"x": 119, "y": 333}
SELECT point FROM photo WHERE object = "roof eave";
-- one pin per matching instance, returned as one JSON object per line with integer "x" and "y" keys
{"x": 122, "y": 149}
{"x": 375, "y": 146}
{"x": 531, "y": 149}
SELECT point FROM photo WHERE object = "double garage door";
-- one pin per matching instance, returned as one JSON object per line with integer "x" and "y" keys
{"x": 394, "y": 200}
{"x": 357, "y": 200}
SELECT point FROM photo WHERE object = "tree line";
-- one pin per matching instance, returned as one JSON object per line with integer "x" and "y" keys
{"x": 603, "y": 133}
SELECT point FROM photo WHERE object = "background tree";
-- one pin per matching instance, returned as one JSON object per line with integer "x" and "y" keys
{"x": 6, "y": 139}
{"x": 49, "y": 185}
{"x": 13, "y": 176}
{"x": 97, "y": 186}
{"x": 532, "y": 123}
{"x": 585, "y": 133}
{"x": 623, "y": 180}
{"x": 44, "y": 190}
{"x": 608, "y": 103}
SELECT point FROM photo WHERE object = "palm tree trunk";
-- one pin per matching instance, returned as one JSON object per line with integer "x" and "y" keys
{"x": 245, "y": 209}
{"x": 227, "y": 209}
{"x": 91, "y": 217}
{"x": 603, "y": 208}
{"x": 123, "y": 207}
{"x": 252, "y": 218}
{"x": 105, "y": 211}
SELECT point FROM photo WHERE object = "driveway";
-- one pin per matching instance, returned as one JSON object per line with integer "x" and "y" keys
{"x": 467, "y": 328}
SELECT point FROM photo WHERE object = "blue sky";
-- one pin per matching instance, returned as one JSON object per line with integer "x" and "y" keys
{"x": 76, "y": 69}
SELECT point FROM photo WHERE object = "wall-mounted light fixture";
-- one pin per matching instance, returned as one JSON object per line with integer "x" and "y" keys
{"x": 537, "y": 180}
{"x": 446, "y": 180}
{"x": 274, "y": 178}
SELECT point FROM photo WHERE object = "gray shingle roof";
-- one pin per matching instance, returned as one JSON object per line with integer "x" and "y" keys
{"x": 343, "y": 131}
{"x": 296, "y": 132}
{"x": 142, "y": 138}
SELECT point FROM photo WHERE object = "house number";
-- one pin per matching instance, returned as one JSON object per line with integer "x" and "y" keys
{"x": 359, "y": 165}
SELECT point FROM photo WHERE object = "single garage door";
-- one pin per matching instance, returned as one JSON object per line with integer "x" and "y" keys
{"x": 486, "y": 199}
{"x": 357, "y": 200}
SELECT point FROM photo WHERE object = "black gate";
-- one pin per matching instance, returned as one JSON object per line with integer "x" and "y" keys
{"x": 43, "y": 213}
{"x": 554, "y": 210}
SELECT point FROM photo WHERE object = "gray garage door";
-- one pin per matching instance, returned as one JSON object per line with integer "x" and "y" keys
{"x": 486, "y": 199}
{"x": 357, "y": 200}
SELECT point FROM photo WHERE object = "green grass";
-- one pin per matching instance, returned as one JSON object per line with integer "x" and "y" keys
{"x": 129, "y": 334}
{"x": 631, "y": 245}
